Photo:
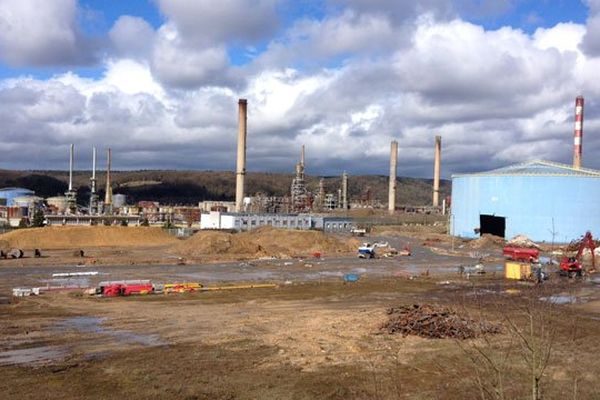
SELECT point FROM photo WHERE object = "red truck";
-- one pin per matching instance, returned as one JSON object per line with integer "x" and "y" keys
{"x": 521, "y": 254}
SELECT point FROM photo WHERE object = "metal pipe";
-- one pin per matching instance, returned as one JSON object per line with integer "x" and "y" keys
{"x": 436, "y": 171}
{"x": 393, "y": 171}
{"x": 241, "y": 154}
{"x": 108, "y": 196}
{"x": 94, "y": 163}
{"x": 345, "y": 191}
{"x": 72, "y": 149}
{"x": 578, "y": 134}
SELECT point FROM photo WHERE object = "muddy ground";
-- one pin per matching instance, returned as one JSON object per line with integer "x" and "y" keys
{"x": 313, "y": 336}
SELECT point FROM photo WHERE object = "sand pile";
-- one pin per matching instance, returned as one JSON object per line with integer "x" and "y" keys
{"x": 264, "y": 242}
{"x": 76, "y": 237}
{"x": 486, "y": 241}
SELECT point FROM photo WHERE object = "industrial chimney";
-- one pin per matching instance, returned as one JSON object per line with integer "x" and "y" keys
{"x": 345, "y": 190}
{"x": 93, "y": 195}
{"x": 393, "y": 170}
{"x": 436, "y": 171}
{"x": 241, "y": 155}
{"x": 108, "y": 197}
{"x": 71, "y": 195}
{"x": 578, "y": 135}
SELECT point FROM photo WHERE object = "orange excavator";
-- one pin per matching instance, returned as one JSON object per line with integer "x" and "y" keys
{"x": 572, "y": 266}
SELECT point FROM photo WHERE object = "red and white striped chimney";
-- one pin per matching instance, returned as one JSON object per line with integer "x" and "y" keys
{"x": 578, "y": 135}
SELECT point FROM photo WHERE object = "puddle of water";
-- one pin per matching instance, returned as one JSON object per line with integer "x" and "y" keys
{"x": 558, "y": 299}
{"x": 34, "y": 356}
{"x": 94, "y": 325}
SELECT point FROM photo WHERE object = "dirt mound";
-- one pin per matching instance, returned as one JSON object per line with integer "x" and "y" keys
{"x": 264, "y": 242}
{"x": 76, "y": 237}
{"x": 486, "y": 241}
{"x": 435, "y": 323}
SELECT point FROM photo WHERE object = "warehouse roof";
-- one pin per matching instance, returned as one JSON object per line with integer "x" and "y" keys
{"x": 537, "y": 168}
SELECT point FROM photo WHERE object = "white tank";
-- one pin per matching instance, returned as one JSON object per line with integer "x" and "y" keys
{"x": 26, "y": 201}
{"x": 60, "y": 202}
{"x": 119, "y": 200}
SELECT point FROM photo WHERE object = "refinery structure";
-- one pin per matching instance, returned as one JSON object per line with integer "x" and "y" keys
{"x": 480, "y": 203}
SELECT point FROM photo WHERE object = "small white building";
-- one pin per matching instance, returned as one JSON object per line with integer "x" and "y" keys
{"x": 246, "y": 222}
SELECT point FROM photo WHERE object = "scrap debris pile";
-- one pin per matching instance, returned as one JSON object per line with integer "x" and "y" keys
{"x": 522, "y": 241}
{"x": 435, "y": 323}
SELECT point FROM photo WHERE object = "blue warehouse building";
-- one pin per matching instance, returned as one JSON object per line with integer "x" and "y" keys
{"x": 543, "y": 200}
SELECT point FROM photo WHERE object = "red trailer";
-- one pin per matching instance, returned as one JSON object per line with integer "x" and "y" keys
{"x": 521, "y": 254}
{"x": 125, "y": 288}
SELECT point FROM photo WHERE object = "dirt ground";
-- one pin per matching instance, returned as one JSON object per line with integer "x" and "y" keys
{"x": 302, "y": 341}
{"x": 313, "y": 336}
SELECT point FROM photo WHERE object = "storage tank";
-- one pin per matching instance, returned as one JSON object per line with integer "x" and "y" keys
{"x": 60, "y": 202}
{"x": 119, "y": 200}
{"x": 8, "y": 194}
{"x": 543, "y": 200}
{"x": 26, "y": 201}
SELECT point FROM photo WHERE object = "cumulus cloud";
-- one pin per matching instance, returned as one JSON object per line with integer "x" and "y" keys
{"x": 177, "y": 64}
{"x": 132, "y": 37}
{"x": 40, "y": 33}
{"x": 344, "y": 84}
{"x": 203, "y": 22}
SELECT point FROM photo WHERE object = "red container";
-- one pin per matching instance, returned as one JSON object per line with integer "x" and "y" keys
{"x": 521, "y": 254}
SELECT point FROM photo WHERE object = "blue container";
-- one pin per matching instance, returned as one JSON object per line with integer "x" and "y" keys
{"x": 351, "y": 278}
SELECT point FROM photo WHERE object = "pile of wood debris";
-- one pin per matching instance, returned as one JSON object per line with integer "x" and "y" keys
{"x": 436, "y": 323}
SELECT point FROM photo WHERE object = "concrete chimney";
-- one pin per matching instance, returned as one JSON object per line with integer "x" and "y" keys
{"x": 393, "y": 170}
{"x": 345, "y": 191}
{"x": 241, "y": 155}
{"x": 578, "y": 135}
{"x": 321, "y": 194}
{"x": 108, "y": 196}
{"x": 436, "y": 171}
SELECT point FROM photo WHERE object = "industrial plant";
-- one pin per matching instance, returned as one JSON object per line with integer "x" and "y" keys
{"x": 503, "y": 202}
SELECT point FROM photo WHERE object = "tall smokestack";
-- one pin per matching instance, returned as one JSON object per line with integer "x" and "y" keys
{"x": 393, "y": 170}
{"x": 71, "y": 151}
{"x": 322, "y": 193}
{"x": 241, "y": 155}
{"x": 108, "y": 197}
{"x": 578, "y": 135}
{"x": 302, "y": 156}
{"x": 436, "y": 171}
{"x": 345, "y": 191}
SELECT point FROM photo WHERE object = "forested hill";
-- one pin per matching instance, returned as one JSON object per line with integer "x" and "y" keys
{"x": 190, "y": 187}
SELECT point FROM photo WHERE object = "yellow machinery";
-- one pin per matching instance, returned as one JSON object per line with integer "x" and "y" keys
{"x": 517, "y": 270}
{"x": 182, "y": 287}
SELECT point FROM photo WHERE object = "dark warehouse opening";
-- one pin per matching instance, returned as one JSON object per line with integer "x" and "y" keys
{"x": 492, "y": 225}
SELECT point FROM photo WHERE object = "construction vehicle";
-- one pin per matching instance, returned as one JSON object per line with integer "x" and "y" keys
{"x": 572, "y": 266}
{"x": 367, "y": 250}
{"x": 521, "y": 254}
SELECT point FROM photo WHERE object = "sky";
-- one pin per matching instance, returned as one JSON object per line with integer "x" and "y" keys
{"x": 158, "y": 81}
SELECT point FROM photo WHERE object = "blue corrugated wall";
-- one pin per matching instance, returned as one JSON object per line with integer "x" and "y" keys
{"x": 529, "y": 204}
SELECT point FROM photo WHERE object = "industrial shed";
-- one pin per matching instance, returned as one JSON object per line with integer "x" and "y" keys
{"x": 544, "y": 200}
